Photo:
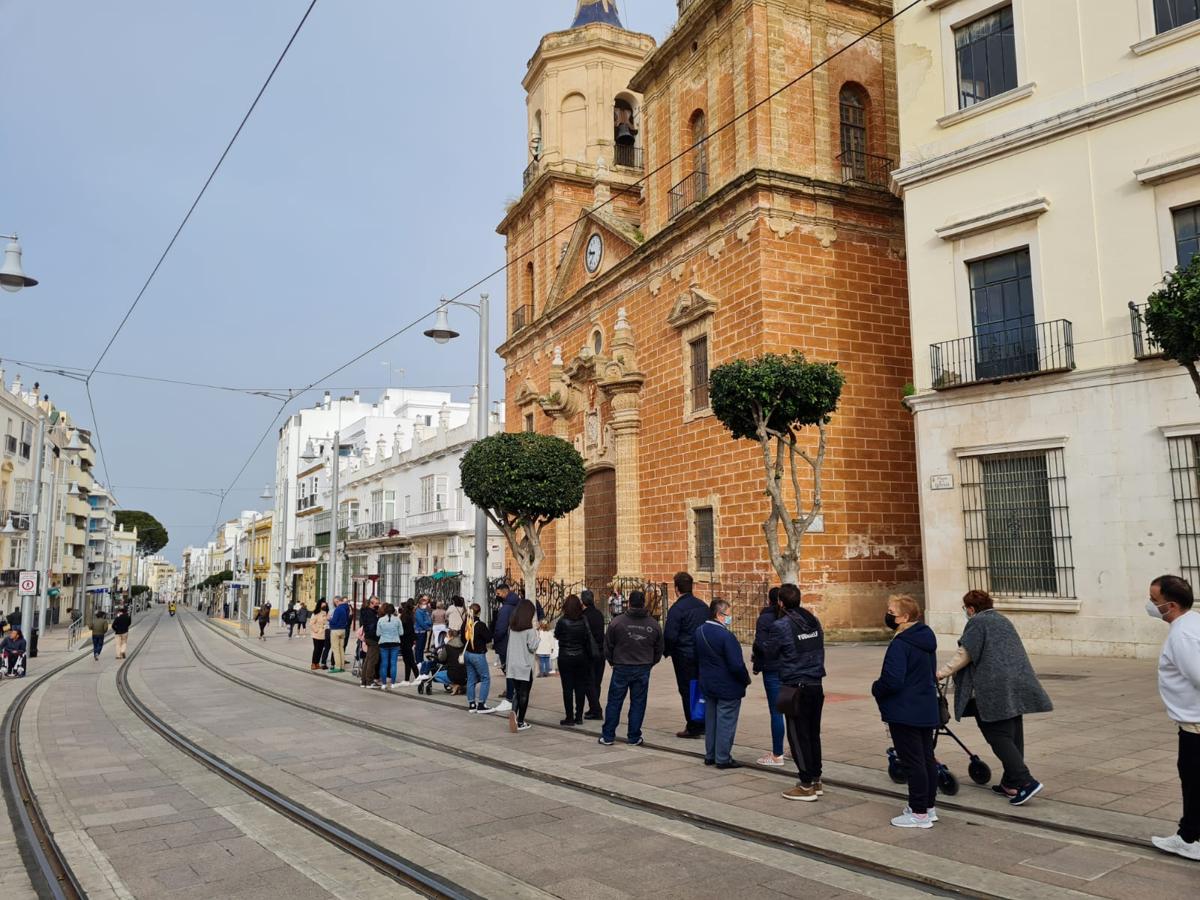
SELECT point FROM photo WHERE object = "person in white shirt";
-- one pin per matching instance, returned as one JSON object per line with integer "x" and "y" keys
{"x": 1179, "y": 686}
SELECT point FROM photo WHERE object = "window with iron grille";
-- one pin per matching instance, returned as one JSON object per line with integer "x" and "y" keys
{"x": 1187, "y": 231}
{"x": 853, "y": 133}
{"x": 1184, "y": 456}
{"x": 1170, "y": 14}
{"x": 529, "y": 422}
{"x": 1017, "y": 526}
{"x": 699, "y": 364}
{"x": 706, "y": 545}
{"x": 985, "y": 53}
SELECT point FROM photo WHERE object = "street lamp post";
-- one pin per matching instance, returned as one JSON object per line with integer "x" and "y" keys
{"x": 331, "y": 583}
{"x": 12, "y": 276}
{"x": 442, "y": 333}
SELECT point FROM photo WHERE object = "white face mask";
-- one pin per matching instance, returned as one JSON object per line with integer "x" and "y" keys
{"x": 966, "y": 616}
{"x": 1153, "y": 611}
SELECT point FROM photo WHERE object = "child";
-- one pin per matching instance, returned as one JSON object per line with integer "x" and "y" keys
{"x": 547, "y": 649}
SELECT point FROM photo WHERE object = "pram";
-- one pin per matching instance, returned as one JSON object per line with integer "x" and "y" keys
{"x": 443, "y": 665}
{"x": 980, "y": 772}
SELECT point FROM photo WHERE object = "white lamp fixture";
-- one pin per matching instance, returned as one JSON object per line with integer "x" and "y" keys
{"x": 8, "y": 526}
{"x": 441, "y": 330}
{"x": 12, "y": 276}
{"x": 310, "y": 454}
{"x": 266, "y": 494}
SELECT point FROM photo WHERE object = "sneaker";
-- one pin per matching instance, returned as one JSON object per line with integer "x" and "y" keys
{"x": 768, "y": 759}
{"x": 637, "y": 743}
{"x": 1177, "y": 845}
{"x": 471, "y": 707}
{"x": 387, "y": 687}
{"x": 1025, "y": 794}
{"x": 503, "y": 706}
{"x": 524, "y": 726}
{"x": 710, "y": 762}
{"x": 375, "y": 687}
{"x": 817, "y": 786}
{"x": 910, "y": 819}
{"x": 484, "y": 710}
{"x": 512, "y": 721}
{"x": 805, "y": 792}
{"x": 1006, "y": 793}
{"x": 931, "y": 812}
{"x": 421, "y": 679}
{"x": 603, "y": 741}
{"x": 403, "y": 683}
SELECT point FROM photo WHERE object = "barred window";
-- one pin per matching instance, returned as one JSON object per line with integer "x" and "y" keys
{"x": 1018, "y": 530}
{"x": 706, "y": 546}
{"x": 1184, "y": 456}
{"x": 699, "y": 364}
{"x": 986, "y": 56}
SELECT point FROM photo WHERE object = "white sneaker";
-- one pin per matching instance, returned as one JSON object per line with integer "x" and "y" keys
{"x": 404, "y": 683}
{"x": 1177, "y": 845}
{"x": 387, "y": 687}
{"x": 912, "y": 820}
{"x": 502, "y": 707}
{"x": 931, "y": 812}
{"x": 482, "y": 710}
{"x": 421, "y": 679}
{"x": 524, "y": 726}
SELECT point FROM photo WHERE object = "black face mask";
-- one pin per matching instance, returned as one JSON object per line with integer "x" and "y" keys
{"x": 890, "y": 621}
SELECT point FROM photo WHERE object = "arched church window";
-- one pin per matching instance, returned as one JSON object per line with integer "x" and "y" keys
{"x": 852, "y": 103}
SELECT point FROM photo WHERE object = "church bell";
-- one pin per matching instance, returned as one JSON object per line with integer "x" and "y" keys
{"x": 626, "y": 134}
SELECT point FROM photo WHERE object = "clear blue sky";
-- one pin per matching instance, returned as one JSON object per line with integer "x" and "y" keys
{"x": 368, "y": 183}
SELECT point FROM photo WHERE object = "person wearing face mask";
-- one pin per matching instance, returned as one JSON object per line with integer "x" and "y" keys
{"x": 907, "y": 696}
{"x": 994, "y": 681}
{"x": 1179, "y": 686}
{"x": 723, "y": 681}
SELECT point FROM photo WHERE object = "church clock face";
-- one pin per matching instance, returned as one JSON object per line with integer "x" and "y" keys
{"x": 594, "y": 253}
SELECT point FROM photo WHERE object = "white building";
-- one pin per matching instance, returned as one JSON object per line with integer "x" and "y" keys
{"x": 1051, "y": 173}
{"x": 101, "y": 563}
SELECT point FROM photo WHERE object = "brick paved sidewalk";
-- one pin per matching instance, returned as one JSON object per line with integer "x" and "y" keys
{"x": 1108, "y": 745}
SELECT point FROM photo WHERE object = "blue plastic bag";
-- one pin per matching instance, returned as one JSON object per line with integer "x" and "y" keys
{"x": 695, "y": 701}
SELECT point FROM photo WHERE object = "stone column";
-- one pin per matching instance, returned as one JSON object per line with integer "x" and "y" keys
{"x": 622, "y": 382}
{"x": 568, "y": 531}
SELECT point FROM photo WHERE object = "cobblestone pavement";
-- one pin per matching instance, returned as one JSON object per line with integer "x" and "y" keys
{"x": 1046, "y": 864}
{"x": 137, "y": 818}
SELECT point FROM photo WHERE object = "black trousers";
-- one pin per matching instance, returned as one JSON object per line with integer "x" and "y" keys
{"x": 914, "y": 746}
{"x": 804, "y": 732}
{"x": 1189, "y": 780}
{"x": 406, "y": 653}
{"x": 1007, "y": 740}
{"x": 686, "y": 671}
{"x": 575, "y": 672}
{"x": 318, "y": 646}
{"x": 521, "y": 690}
{"x": 593, "y": 688}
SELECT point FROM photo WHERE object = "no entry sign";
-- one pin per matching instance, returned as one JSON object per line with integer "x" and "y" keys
{"x": 27, "y": 584}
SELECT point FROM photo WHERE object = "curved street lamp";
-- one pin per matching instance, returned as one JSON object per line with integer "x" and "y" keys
{"x": 12, "y": 276}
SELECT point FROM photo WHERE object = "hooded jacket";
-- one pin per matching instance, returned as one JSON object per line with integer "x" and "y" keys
{"x": 633, "y": 639}
{"x": 762, "y": 628}
{"x": 500, "y": 635}
{"x": 683, "y": 618}
{"x": 796, "y": 642}
{"x": 907, "y": 687}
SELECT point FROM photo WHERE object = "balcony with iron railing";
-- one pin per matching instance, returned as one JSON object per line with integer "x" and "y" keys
{"x": 1144, "y": 344}
{"x": 18, "y": 520}
{"x": 865, "y": 169}
{"x": 436, "y": 521}
{"x": 299, "y": 553}
{"x": 530, "y": 173}
{"x": 628, "y": 157}
{"x": 1002, "y": 354}
{"x": 376, "y": 531}
{"x": 691, "y": 190}
{"x": 304, "y": 503}
{"x": 522, "y": 316}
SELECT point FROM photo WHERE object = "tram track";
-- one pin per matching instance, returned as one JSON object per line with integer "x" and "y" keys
{"x": 881, "y": 870}
{"x": 1018, "y": 819}
{"x": 415, "y": 877}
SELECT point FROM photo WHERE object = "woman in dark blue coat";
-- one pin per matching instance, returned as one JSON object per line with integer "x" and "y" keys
{"x": 907, "y": 696}
{"x": 770, "y": 675}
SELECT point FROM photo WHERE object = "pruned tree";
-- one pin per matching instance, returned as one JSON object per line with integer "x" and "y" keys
{"x": 1173, "y": 317}
{"x": 770, "y": 400}
{"x": 523, "y": 482}
{"x": 152, "y": 534}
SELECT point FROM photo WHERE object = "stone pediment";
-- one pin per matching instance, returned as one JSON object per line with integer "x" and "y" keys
{"x": 691, "y": 306}
{"x": 620, "y": 240}
{"x": 527, "y": 394}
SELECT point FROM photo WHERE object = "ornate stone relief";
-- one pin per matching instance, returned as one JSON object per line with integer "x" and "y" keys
{"x": 691, "y": 307}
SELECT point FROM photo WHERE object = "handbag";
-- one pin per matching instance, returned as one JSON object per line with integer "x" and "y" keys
{"x": 787, "y": 703}
{"x": 696, "y": 704}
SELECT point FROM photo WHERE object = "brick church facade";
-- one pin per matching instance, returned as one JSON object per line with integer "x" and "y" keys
{"x": 651, "y": 245}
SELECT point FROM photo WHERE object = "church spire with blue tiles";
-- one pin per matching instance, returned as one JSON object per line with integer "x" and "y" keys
{"x": 591, "y": 11}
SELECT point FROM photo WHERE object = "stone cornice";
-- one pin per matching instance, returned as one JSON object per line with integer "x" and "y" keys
{"x": 586, "y": 39}
{"x": 1015, "y": 212}
{"x": 1120, "y": 105}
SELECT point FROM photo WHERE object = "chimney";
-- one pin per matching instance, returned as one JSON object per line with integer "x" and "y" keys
{"x": 328, "y": 400}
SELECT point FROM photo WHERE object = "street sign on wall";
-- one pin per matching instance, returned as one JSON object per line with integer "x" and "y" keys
{"x": 27, "y": 584}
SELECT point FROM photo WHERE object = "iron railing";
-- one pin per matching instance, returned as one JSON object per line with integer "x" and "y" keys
{"x": 691, "y": 190}
{"x": 1144, "y": 344}
{"x": 73, "y": 632}
{"x": 522, "y": 316}
{"x": 531, "y": 172}
{"x": 303, "y": 503}
{"x": 865, "y": 168}
{"x": 304, "y": 552}
{"x": 1000, "y": 353}
{"x": 374, "y": 531}
{"x": 627, "y": 156}
{"x": 9, "y": 577}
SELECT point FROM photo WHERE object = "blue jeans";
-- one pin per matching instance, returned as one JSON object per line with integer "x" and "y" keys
{"x": 97, "y": 644}
{"x": 543, "y": 665}
{"x": 778, "y": 728}
{"x": 389, "y": 655}
{"x": 441, "y": 676}
{"x": 634, "y": 680}
{"x": 477, "y": 674}
{"x": 720, "y": 725}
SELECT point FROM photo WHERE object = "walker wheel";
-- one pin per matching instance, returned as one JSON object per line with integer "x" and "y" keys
{"x": 947, "y": 783}
{"x": 896, "y": 773}
{"x": 980, "y": 772}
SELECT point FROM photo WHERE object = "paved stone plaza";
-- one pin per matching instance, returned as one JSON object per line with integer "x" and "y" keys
{"x": 138, "y": 818}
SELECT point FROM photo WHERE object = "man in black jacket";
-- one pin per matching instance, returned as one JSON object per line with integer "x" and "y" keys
{"x": 368, "y": 617}
{"x": 633, "y": 645}
{"x": 686, "y": 614}
{"x": 120, "y": 627}
{"x": 595, "y": 623}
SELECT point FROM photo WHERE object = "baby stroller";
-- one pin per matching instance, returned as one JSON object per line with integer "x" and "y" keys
{"x": 980, "y": 772}
{"x": 445, "y": 667}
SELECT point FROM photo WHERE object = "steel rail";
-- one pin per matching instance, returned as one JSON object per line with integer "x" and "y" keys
{"x": 409, "y": 874}
{"x": 874, "y": 869}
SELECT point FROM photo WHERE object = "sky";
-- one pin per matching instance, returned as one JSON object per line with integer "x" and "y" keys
{"x": 367, "y": 184}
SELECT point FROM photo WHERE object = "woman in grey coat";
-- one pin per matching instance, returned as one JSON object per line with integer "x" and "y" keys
{"x": 521, "y": 661}
{"x": 995, "y": 682}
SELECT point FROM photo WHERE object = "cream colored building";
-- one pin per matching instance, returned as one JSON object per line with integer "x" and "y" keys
{"x": 1050, "y": 170}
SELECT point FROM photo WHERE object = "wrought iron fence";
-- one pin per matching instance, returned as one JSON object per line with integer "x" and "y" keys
{"x": 522, "y": 316}
{"x": 374, "y": 531}
{"x": 529, "y": 174}
{"x": 691, "y": 190}
{"x": 628, "y": 156}
{"x": 865, "y": 168}
{"x": 552, "y": 594}
{"x": 1144, "y": 344}
{"x": 996, "y": 354}
{"x": 438, "y": 588}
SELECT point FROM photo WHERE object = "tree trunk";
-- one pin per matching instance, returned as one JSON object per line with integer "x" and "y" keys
{"x": 789, "y": 573}
{"x": 1191, "y": 368}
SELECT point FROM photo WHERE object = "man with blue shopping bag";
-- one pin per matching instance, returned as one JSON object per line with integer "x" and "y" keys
{"x": 686, "y": 614}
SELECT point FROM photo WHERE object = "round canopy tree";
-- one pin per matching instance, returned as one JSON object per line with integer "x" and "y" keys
{"x": 152, "y": 535}
{"x": 523, "y": 482}
{"x": 1173, "y": 317}
{"x": 770, "y": 400}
